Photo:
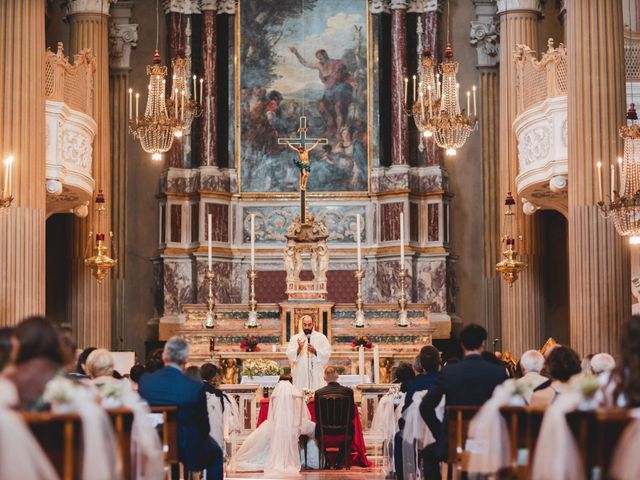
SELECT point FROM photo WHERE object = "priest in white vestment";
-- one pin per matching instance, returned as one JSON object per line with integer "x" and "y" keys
{"x": 308, "y": 353}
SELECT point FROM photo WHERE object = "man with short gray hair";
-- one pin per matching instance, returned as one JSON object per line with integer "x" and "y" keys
{"x": 169, "y": 386}
{"x": 531, "y": 364}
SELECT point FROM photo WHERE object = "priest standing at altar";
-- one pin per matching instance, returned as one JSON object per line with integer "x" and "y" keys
{"x": 308, "y": 353}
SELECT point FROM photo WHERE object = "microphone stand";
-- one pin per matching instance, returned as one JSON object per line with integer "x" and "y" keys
{"x": 309, "y": 362}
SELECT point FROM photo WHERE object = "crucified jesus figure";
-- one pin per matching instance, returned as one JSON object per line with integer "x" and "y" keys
{"x": 302, "y": 162}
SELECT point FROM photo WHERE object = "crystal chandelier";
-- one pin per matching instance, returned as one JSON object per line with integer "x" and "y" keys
{"x": 624, "y": 197}
{"x": 5, "y": 194}
{"x": 510, "y": 266}
{"x": 436, "y": 109}
{"x": 100, "y": 263}
{"x": 180, "y": 105}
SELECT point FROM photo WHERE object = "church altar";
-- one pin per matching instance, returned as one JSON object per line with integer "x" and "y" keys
{"x": 270, "y": 381}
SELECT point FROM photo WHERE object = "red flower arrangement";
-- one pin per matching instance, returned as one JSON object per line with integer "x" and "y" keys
{"x": 249, "y": 344}
{"x": 361, "y": 341}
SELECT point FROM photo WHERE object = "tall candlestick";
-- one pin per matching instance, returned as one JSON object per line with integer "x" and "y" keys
{"x": 376, "y": 364}
{"x": 130, "y": 103}
{"x": 475, "y": 112}
{"x": 201, "y": 82}
{"x": 361, "y": 363}
{"x": 253, "y": 241}
{"x": 194, "y": 88}
{"x": 599, "y": 164}
{"x": 613, "y": 181}
{"x": 414, "y": 89}
{"x": 620, "y": 183}
{"x": 358, "y": 241}
{"x": 402, "y": 240}
{"x": 209, "y": 245}
{"x": 137, "y": 100}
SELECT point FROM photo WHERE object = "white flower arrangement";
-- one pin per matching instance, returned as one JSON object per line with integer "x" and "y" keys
{"x": 110, "y": 394}
{"x": 59, "y": 393}
{"x": 308, "y": 394}
{"x": 517, "y": 390}
{"x": 587, "y": 386}
{"x": 260, "y": 368}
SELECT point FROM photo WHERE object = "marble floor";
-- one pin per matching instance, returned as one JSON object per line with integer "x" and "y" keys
{"x": 352, "y": 473}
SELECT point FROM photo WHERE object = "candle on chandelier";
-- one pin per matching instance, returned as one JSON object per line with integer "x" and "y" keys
{"x": 201, "y": 82}
{"x": 468, "y": 104}
{"x": 402, "y": 240}
{"x": 421, "y": 96}
{"x": 406, "y": 87}
{"x": 209, "y": 237}
{"x": 182, "y": 106}
{"x": 475, "y": 112}
{"x": 613, "y": 181}
{"x": 7, "y": 176}
{"x": 130, "y": 103}
{"x": 175, "y": 103}
{"x": 429, "y": 93}
{"x": 194, "y": 89}
{"x": 253, "y": 241}
{"x": 438, "y": 85}
{"x": 137, "y": 100}
{"x": 358, "y": 247}
{"x": 414, "y": 88}
{"x": 620, "y": 183}
{"x": 599, "y": 164}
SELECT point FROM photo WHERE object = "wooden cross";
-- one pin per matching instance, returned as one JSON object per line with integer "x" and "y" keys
{"x": 299, "y": 145}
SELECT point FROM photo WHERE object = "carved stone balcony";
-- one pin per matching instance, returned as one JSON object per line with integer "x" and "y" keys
{"x": 541, "y": 129}
{"x": 70, "y": 130}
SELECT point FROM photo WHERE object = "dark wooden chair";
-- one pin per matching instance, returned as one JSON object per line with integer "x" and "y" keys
{"x": 458, "y": 432}
{"x": 169, "y": 436}
{"x": 122, "y": 420}
{"x": 335, "y": 420}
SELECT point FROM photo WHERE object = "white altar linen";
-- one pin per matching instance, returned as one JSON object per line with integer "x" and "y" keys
{"x": 272, "y": 380}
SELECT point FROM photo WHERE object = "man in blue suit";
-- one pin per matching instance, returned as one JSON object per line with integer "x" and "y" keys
{"x": 429, "y": 359}
{"x": 170, "y": 387}
{"x": 468, "y": 382}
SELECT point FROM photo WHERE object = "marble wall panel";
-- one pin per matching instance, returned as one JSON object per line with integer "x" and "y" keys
{"x": 414, "y": 221}
{"x": 433, "y": 222}
{"x": 420, "y": 182}
{"x": 386, "y": 179}
{"x": 390, "y": 221}
{"x": 228, "y": 282}
{"x": 271, "y": 285}
{"x": 220, "y": 222}
{"x": 431, "y": 284}
{"x": 382, "y": 284}
{"x": 180, "y": 184}
{"x": 178, "y": 285}
{"x": 215, "y": 183}
{"x": 271, "y": 223}
{"x": 176, "y": 223}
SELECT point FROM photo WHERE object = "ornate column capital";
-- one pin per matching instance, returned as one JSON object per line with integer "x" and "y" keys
{"x": 208, "y": 5}
{"x": 424, "y": 6}
{"x": 506, "y": 6}
{"x": 485, "y": 33}
{"x": 186, "y": 7}
{"x": 378, "y": 6}
{"x": 398, "y": 4}
{"x": 74, "y": 7}
{"x": 227, "y": 6}
{"x": 123, "y": 36}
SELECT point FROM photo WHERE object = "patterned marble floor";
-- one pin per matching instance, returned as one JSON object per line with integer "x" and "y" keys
{"x": 353, "y": 473}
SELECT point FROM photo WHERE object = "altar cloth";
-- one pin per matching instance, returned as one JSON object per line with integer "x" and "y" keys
{"x": 272, "y": 380}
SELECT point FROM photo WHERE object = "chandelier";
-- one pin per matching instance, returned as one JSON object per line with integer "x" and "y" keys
{"x": 624, "y": 196}
{"x": 510, "y": 267}
{"x": 183, "y": 108}
{"x": 100, "y": 263}
{"x": 5, "y": 194}
{"x": 436, "y": 108}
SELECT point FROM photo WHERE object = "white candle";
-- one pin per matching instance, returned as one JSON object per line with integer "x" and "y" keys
{"x": 422, "y": 104}
{"x": 361, "y": 363}
{"x": 175, "y": 104}
{"x": 273, "y": 348}
{"x": 600, "y": 181}
{"x": 468, "y": 105}
{"x": 402, "y": 240}
{"x": 130, "y": 103}
{"x": 414, "y": 88}
{"x": 182, "y": 107}
{"x": 253, "y": 241}
{"x": 358, "y": 241}
{"x": 430, "y": 109}
{"x": 406, "y": 86}
{"x": 201, "y": 82}
{"x": 137, "y": 100}
{"x": 376, "y": 364}
{"x": 613, "y": 180}
{"x": 194, "y": 88}
{"x": 7, "y": 176}
{"x": 475, "y": 112}
{"x": 209, "y": 246}
{"x": 620, "y": 183}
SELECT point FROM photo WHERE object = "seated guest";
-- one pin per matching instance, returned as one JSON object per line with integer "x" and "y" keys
{"x": 136, "y": 373}
{"x": 562, "y": 364}
{"x": 404, "y": 373}
{"x": 429, "y": 362}
{"x": 602, "y": 364}
{"x": 332, "y": 388}
{"x": 99, "y": 367}
{"x": 468, "y": 382}
{"x": 531, "y": 364}
{"x": 81, "y": 364}
{"x": 8, "y": 349}
{"x": 169, "y": 386}
{"x": 417, "y": 366}
{"x": 38, "y": 360}
{"x": 154, "y": 361}
{"x": 624, "y": 389}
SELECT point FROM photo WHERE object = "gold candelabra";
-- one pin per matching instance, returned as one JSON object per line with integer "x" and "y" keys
{"x": 402, "y": 300}
{"x": 209, "y": 322}
{"x": 359, "y": 322}
{"x": 510, "y": 267}
{"x": 100, "y": 263}
{"x": 252, "y": 322}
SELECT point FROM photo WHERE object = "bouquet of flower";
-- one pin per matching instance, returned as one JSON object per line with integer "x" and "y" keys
{"x": 111, "y": 394}
{"x": 361, "y": 341}
{"x": 249, "y": 344}
{"x": 308, "y": 394}
{"x": 59, "y": 393}
{"x": 587, "y": 386}
{"x": 260, "y": 368}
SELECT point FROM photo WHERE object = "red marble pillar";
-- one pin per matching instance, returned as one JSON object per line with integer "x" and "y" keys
{"x": 175, "y": 47}
{"x": 399, "y": 121}
{"x": 431, "y": 41}
{"x": 210, "y": 104}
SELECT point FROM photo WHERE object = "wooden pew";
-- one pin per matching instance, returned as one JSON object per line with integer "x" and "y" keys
{"x": 169, "y": 432}
{"x": 458, "y": 432}
{"x": 60, "y": 437}
{"x": 122, "y": 420}
{"x": 523, "y": 424}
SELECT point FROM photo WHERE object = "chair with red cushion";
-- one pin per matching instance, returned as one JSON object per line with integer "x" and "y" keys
{"x": 335, "y": 419}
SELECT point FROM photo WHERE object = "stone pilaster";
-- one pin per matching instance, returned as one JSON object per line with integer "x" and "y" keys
{"x": 208, "y": 150}
{"x": 399, "y": 121}
{"x": 174, "y": 10}
{"x": 521, "y": 304}
{"x": 599, "y": 269}
{"x": 484, "y": 36}
{"x": 90, "y": 302}
{"x": 22, "y": 227}
{"x": 123, "y": 36}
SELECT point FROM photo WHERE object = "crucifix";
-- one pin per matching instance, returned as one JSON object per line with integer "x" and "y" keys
{"x": 299, "y": 145}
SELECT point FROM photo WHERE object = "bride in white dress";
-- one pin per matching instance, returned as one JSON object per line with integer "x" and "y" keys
{"x": 273, "y": 446}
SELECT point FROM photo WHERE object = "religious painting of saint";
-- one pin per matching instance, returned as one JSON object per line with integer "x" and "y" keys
{"x": 295, "y": 58}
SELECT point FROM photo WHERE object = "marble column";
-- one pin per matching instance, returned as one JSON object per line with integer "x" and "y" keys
{"x": 521, "y": 304}
{"x": 484, "y": 36}
{"x": 123, "y": 36}
{"x": 208, "y": 152}
{"x": 399, "y": 121}
{"x": 599, "y": 266}
{"x": 22, "y": 134}
{"x": 175, "y": 47}
{"x": 90, "y": 301}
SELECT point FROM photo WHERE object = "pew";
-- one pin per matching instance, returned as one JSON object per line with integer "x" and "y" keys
{"x": 122, "y": 420}
{"x": 523, "y": 424}
{"x": 169, "y": 432}
{"x": 458, "y": 432}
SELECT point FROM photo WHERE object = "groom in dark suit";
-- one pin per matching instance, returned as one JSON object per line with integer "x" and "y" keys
{"x": 468, "y": 382}
{"x": 169, "y": 386}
